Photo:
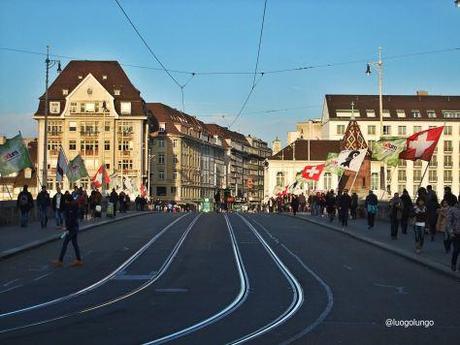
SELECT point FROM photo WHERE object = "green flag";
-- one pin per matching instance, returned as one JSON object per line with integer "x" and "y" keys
{"x": 331, "y": 165}
{"x": 76, "y": 169}
{"x": 14, "y": 156}
{"x": 388, "y": 150}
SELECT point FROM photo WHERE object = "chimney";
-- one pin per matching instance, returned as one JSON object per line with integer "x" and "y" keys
{"x": 422, "y": 93}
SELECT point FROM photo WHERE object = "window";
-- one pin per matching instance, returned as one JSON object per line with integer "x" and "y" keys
{"x": 400, "y": 113}
{"x": 161, "y": 142}
{"x": 434, "y": 161}
{"x": 451, "y": 114}
{"x": 107, "y": 166}
{"x": 340, "y": 129}
{"x": 432, "y": 175}
{"x": 55, "y": 107}
{"x": 417, "y": 175}
{"x": 72, "y": 126}
{"x": 173, "y": 190}
{"x": 447, "y": 161}
{"x": 72, "y": 145}
{"x": 53, "y": 147}
{"x": 116, "y": 92}
{"x": 417, "y": 128}
{"x": 28, "y": 173}
{"x": 447, "y": 175}
{"x": 124, "y": 145}
{"x": 54, "y": 127}
{"x": 402, "y": 163}
{"x": 107, "y": 126}
{"x": 370, "y": 113}
{"x": 90, "y": 107}
{"x": 447, "y": 145}
{"x": 161, "y": 158}
{"x": 174, "y": 142}
{"x": 280, "y": 179}
{"x": 174, "y": 175}
{"x": 370, "y": 143}
{"x": 402, "y": 176}
{"x": 107, "y": 145}
{"x": 125, "y": 128}
{"x": 176, "y": 160}
{"x": 448, "y": 130}
{"x": 371, "y": 130}
{"x": 374, "y": 181}
{"x": 89, "y": 147}
{"x": 125, "y": 107}
{"x": 89, "y": 128}
{"x": 73, "y": 107}
{"x": 327, "y": 181}
{"x": 416, "y": 114}
{"x": 431, "y": 114}
{"x": 125, "y": 164}
{"x": 161, "y": 175}
{"x": 104, "y": 77}
{"x": 418, "y": 163}
{"x": 402, "y": 130}
{"x": 386, "y": 130}
{"x": 386, "y": 113}
{"x": 162, "y": 127}
{"x": 161, "y": 191}
{"x": 65, "y": 92}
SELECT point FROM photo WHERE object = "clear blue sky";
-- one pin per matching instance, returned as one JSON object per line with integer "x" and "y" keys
{"x": 205, "y": 35}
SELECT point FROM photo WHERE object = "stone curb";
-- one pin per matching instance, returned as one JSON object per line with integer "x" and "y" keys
{"x": 409, "y": 256}
{"x": 31, "y": 245}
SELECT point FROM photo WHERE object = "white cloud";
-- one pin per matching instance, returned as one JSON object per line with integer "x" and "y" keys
{"x": 12, "y": 123}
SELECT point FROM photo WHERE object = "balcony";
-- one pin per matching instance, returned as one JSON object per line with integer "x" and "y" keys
{"x": 89, "y": 133}
{"x": 54, "y": 133}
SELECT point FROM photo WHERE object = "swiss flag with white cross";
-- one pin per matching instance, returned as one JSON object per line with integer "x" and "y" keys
{"x": 312, "y": 172}
{"x": 421, "y": 145}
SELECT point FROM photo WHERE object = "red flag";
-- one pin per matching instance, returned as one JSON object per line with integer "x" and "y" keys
{"x": 421, "y": 145}
{"x": 100, "y": 177}
{"x": 312, "y": 172}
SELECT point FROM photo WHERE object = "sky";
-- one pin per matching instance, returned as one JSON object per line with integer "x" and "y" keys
{"x": 208, "y": 36}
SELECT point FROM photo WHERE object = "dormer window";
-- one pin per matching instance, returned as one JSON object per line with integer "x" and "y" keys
{"x": 400, "y": 113}
{"x": 431, "y": 114}
{"x": 80, "y": 77}
{"x": 416, "y": 114}
{"x": 65, "y": 92}
{"x": 162, "y": 126}
{"x": 104, "y": 77}
{"x": 116, "y": 92}
{"x": 370, "y": 112}
{"x": 55, "y": 107}
{"x": 386, "y": 113}
{"x": 125, "y": 107}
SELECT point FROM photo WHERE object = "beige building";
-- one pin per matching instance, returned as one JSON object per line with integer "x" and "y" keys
{"x": 307, "y": 130}
{"x": 187, "y": 160}
{"x": 95, "y": 111}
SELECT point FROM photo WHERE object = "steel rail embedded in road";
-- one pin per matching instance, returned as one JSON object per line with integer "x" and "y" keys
{"x": 298, "y": 296}
{"x": 235, "y": 304}
{"x": 104, "y": 280}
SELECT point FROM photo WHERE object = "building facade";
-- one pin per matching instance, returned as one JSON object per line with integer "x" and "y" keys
{"x": 95, "y": 111}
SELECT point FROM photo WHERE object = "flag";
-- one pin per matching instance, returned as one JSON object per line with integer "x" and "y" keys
{"x": 101, "y": 177}
{"x": 332, "y": 164}
{"x": 388, "y": 150}
{"x": 62, "y": 166}
{"x": 421, "y": 145}
{"x": 312, "y": 172}
{"x": 76, "y": 169}
{"x": 14, "y": 156}
{"x": 143, "y": 191}
{"x": 351, "y": 159}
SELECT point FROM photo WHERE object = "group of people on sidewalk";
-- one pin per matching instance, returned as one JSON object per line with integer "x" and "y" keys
{"x": 428, "y": 216}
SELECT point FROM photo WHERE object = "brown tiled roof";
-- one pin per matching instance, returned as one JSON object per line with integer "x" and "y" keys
{"x": 117, "y": 79}
{"x": 423, "y": 103}
{"x": 318, "y": 150}
{"x": 225, "y": 133}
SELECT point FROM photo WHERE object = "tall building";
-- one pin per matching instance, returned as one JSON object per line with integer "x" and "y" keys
{"x": 95, "y": 111}
{"x": 187, "y": 160}
{"x": 307, "y": 130}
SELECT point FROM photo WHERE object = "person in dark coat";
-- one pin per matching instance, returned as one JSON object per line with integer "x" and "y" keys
{"x": 432, "y": 206}
{"x": 407, "y": 207}
{"x": 58, "y": 205}
{"x": 331, "y": 204}
{"x": 114, "y": 200}
{"x": 371, "y": 206}
{"x": 72, "y": 215}
{"x": 295, "y": 204}
{"x": 449, "y": 197}
{"x": 344, "y": 204}
{"x": 25, "y": 203}
{"x": 395, "y": 205}
{"x": 354, "y": 205}
{"x": 43, "y": 202}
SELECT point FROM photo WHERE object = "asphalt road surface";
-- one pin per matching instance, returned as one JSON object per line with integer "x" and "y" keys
{"x": 224, "y": 279}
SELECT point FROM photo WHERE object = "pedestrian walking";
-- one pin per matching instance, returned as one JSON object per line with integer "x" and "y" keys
{"x": 344, "y": 204}
{"x": 331, "y": 204}
{"x": 449, "y": 197}
{"x": 294, "y": 204}
{"x": 43, "y": 202}
{"x": 441, "y": 224}
{"x": 407, "y": 207}
{"x": 354, "y": 206}
{"x": 395, "y": 215}
{"x": 58, "y": 206}
{"x": 302, "y": 203}
{"x": 114, "y": 200}
{"x": 24, "y": 203}
{"x": 432, "y": 206}
{"x": 371, "y": 206}
{"x": 453, "y": 221}
{"x": 72, "y": 215}
{"x": 420, "y": 217}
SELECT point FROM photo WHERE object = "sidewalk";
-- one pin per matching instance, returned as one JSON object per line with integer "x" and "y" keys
{"x": 432, "y": 256}
{"x": 14, "y": 239}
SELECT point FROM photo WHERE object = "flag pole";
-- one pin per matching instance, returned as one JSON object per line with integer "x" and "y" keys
{"x": 6, "y": 185}
{"x": 354, "y": 179}
{"x": 423, "y": 176}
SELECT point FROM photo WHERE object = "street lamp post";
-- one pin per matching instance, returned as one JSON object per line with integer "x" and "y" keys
{"x": 49, "y": 63}
{"x": 149, "y": 167}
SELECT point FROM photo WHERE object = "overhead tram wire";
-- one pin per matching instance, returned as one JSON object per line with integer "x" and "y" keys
{"x": 254, "y": 81}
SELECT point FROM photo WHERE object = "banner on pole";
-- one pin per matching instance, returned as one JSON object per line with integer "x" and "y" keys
{"x": 14, "y": 156}
{"x": 351, "y": 159}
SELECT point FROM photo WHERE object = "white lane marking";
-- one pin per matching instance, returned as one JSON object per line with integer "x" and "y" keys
{"x": 327, "y": 288}
{"x": 171, "y": 290}
{"x": 42, "y": 276}
{"x": 10, "y": 282}
{"x": 11, "y": 288}
{"x": 100, "y": 282}
{"x": 297, "y": 291}
{"x": 236, "y": 303}
{"x": 348, "y": 267}
{"x": 161, "y": 271}
{"x": 399, "y": 289}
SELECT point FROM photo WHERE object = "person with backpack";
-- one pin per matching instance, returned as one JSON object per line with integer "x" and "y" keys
{"x": 420, "y": 215}
{"x": 453, "y": 225}
{"x": 395, "y": 215}
{"x": 43, "y": 202}
{"x": 58, "y": 205}
{"x": 24, "y": 203}
{"x": 371, "y": 206}
{"x": 407, "y": 207}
